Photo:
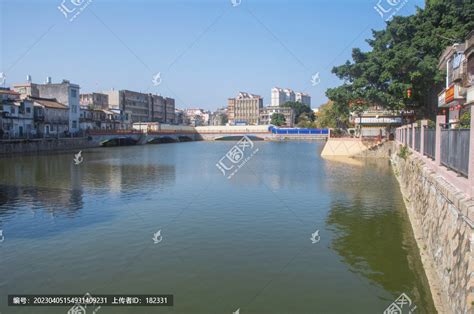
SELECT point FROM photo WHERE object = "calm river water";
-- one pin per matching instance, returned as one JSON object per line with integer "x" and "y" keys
{"x": 227, "y": 244}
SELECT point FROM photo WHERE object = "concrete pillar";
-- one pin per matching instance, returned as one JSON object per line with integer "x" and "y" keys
{"x": 471, "y": 154}
{"x": 424, "y": 124}
{"x": 413, "y": 136}
{"x": 441, "y": 119}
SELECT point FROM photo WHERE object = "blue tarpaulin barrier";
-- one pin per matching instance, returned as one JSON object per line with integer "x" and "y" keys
{"x": 297, "y": 130}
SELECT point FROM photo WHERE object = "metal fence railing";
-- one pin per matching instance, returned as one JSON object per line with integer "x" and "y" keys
{"x": 410, "y": 137}
{"x": 455, "y": 149}
{"x": 429, "y": 142}
{"x": 417, "y": 139}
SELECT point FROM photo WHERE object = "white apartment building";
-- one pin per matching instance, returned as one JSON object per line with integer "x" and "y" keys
{"x": 303, "y": 98}
{"x": 282, "y": 95}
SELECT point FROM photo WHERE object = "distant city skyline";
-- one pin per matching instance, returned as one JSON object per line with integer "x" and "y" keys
{"x": 203, "y": 52}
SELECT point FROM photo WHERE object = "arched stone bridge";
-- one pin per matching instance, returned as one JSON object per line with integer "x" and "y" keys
{"x": 172, "y": 133}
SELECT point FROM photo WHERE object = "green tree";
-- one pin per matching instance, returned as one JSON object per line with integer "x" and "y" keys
{"x": 298, "y": 109}
{"x": 278, "y": 119}
{"x": 304, "y": 121}
{"x": 404, "y": 56}
{"x": 327, "y": 117}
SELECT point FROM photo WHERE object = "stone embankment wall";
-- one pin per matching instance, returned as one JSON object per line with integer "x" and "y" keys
{"x": 43, "y": 145}
{"x": 442, "y": 220}
{"x": 382, "y": 150}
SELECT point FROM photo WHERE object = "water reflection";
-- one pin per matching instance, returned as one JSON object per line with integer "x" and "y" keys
{"x": 367, "y": 214}
{"x": 51, "y": 188}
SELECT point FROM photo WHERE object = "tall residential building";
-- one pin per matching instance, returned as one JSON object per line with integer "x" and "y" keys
{"x": 282, "y": 95}
{"x": 65, "y": 93}
{"x": 303, "y": 98}
{"x": 244, "y": 109}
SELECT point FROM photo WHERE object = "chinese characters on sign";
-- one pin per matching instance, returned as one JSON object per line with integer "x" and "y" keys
{"x": 236, "y": 157}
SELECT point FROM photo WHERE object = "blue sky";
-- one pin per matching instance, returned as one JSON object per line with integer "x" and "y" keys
{"x": 206, "y": 50}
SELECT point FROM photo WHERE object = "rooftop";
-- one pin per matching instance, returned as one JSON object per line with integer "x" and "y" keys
{"x": 48, "y": 102}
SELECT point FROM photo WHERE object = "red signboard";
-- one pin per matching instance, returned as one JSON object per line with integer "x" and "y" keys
{"x": 449, "y": 95}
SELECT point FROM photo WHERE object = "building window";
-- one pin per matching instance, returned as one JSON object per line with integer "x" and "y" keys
{"x": 73, "y": 93}
{"x": 74, "y": 124}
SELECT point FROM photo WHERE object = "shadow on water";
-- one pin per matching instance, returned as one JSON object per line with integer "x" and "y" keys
{"x": 370, "y": 222}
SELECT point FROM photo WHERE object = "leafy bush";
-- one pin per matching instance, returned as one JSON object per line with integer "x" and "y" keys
{"x": 404, "y": 152}
{"x": 465, "y": 120}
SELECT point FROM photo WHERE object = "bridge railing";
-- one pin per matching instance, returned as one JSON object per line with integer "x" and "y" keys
{"x": 113, "y": 132}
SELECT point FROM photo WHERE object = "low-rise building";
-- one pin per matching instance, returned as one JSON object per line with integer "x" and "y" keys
{"x": 179, "y": 117}
{"x": 102, "y": 119}
{"x": 457, "y": 61}
{"x": 95, "y": 100}
{"x": 196, "y": 117}
{"x": 65, "y": 93}
{"x": 16, "y": 116}
{"x": 267, "y": 113}
{"x": 51, "y": 117}
{"x": 377, "y": 121}
{"x": 469, "y": 76}
{"x": 142, "y": 107}
{"x": 219, "y": 117}
{"x": 244, "y": 109}
{"x": 137, "y": 103}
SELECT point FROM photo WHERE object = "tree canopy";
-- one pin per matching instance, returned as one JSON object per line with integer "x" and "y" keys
{"x": 403, "y": 56}
{"x": 278, "y": 119}
{"x": 300, "y": 108}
